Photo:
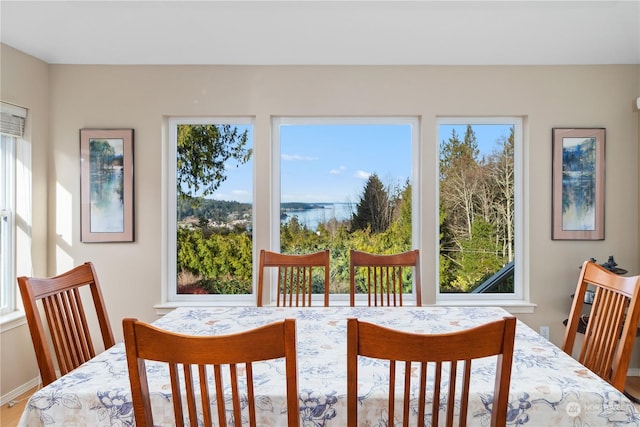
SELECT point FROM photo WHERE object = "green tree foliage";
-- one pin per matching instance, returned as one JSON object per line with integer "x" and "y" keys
{"x": 479, "y": 258}
{"x": 374, "y": 210}
{"x": 476, "y": 211}
{"x": 220, "y": 263}
{"x": 203, "y": 152}
{"x": 457, "y": 154}
{"x": 219, "y": 260}
{"x": 447, "y": 275}
{"x": 213, "y": 210}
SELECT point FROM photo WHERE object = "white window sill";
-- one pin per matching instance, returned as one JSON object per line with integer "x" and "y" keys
{"x": 12, "y": 320}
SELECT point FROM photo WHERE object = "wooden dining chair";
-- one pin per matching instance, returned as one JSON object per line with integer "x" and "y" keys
{"x": 612, "y": 322}
{"x": 192, "y": 360}
{"x": 295, "y": 277}
{"x": 418, "y": 351}
{"x": 66, "y": 318}
{"x": 382, "y": 276}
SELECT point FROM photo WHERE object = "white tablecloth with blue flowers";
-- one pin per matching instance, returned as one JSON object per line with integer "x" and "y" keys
{"x": 548, "y": 388}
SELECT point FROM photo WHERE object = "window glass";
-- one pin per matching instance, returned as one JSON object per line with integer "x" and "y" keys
{"x": 479, "y": 226}
{"x": 342, "y": 184}
{"x": 346, "y": 184}
{"x": 213, "y": 177}
{"x": 7, "y": 280}
{"x": 12, "y": 125}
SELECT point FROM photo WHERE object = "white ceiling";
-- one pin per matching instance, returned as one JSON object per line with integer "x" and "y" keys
{"x": 356, "y": 32}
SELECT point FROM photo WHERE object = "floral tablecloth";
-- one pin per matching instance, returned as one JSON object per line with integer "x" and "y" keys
{"x": 548, "y": 388}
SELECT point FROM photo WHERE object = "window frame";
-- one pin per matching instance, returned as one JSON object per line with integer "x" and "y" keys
{"x": 520, "y": 294}
{"x": 15, "y": 159}
{"x": 270, "y": 159}
{"x": 170, "y": 295}
{"x": 274, "y": 244}
{"x": 7, "y": 224}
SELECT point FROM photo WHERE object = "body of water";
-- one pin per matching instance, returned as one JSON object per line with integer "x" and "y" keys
{"x": 107, "y": 209}
{"x": 321, "y": 213}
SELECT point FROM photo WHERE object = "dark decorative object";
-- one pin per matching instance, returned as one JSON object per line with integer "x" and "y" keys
{"x": 610, "y": 265}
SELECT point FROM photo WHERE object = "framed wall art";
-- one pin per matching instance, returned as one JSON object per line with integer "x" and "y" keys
{"x": 578, "y": 184}
{"x": 106, "y": 185}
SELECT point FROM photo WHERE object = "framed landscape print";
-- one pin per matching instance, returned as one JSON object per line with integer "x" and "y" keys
{"x": 106, "y": 185}
{"x": 578, "y": 184}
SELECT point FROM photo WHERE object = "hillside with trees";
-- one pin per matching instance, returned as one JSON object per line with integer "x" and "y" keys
{"x": 476, "y": 219}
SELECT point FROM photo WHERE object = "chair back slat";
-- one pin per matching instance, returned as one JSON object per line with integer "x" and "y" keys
{"x": 65, "y": 318}
{"x": 294, "y": 287}
{"x": 382, "y": 276}
{"x": 69, "y": 330}
{"x": 442, "y": 354}
{"x": 612, "y": 322}
{"x": 229, "y": 358}
{"x": 295, "y": 284}
{"x": 222, "y": 419}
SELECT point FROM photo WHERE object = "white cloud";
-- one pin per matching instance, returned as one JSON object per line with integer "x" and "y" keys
{"x": 362, "y": 175}
{"x": 297, "y": 157}
{"x": 338, "y": 171}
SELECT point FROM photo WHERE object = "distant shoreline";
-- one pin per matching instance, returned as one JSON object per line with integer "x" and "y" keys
{"x": 304, "y": 206}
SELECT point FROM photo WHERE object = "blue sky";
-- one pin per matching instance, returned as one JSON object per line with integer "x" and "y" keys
{"x": 331, "y": 163}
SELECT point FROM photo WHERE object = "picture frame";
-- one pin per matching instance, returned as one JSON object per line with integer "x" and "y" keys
{"x": 106, "y": 185}
{"x": 578, "y": 183}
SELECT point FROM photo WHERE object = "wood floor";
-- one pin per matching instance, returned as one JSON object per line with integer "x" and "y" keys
{"x": 633, "y": 389}
{"x": 9, "y": 416}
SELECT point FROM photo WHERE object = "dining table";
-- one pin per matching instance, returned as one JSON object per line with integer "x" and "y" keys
{"x": 548, "y": 387}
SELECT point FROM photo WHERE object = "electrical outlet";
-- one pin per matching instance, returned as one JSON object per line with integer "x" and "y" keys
{"x": 544, "y": 331}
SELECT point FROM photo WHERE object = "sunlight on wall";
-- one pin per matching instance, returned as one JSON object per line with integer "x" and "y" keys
{"x": 24, "y": 218}
{"x": 64, "y": 228}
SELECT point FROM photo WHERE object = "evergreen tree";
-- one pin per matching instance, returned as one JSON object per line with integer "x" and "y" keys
{"x": 374, "y": 209}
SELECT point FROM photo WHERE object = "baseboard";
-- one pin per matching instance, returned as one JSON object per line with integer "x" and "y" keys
{"x": 633, "y": 372}
{"x": 20, "y": 390}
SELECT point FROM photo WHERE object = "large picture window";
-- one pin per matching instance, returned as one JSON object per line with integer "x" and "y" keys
{"x": 480, "y": 188}
{"x": 341, "y": 184}
{"x": 345, "y": 184}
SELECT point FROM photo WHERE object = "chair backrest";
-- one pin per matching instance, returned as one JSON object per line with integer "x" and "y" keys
{"x": 418, "y": 351}
{"x": 612, "y": 322}
{"x": 295, "y": 277}
{"x": 65, "y": 317}
{"x": 193, "y": 360}
{"x": 383, "y": 276}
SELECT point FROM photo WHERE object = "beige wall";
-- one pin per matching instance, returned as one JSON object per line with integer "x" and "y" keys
{"x": 24, "y": 81}
{"x": 141, "y": 97}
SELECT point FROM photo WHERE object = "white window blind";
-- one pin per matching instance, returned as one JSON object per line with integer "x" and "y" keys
{"x": 12, "y": 119}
